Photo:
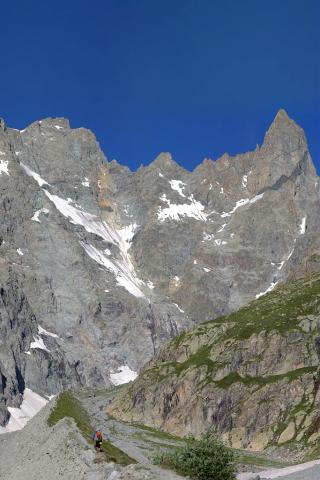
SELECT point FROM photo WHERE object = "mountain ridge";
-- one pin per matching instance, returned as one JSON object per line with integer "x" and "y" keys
{"x": 115, "y": 263}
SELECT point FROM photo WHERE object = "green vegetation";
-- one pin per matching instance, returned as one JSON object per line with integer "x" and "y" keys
{"x": 202, "y": 459}
{"x": 68, "y": 406}
{"x": 290, "y": 376}
{"x": 280, "y": 310}
{"x": 258, "y": 460}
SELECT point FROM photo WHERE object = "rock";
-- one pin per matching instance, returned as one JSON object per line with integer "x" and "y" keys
{"x": 287, "y": 434}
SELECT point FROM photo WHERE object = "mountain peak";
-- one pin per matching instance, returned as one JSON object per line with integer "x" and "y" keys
{"x": 282, "y": 128}
{"x": 164, "y": 161}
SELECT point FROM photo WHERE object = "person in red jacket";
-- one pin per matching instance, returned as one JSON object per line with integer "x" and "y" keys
{"x": 97, "y": 438}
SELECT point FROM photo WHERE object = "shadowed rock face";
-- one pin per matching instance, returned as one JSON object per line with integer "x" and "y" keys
{"x": 114, "y": 263}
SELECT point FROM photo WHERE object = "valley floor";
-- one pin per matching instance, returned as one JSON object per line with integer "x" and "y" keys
{"x": 61, "y": 452}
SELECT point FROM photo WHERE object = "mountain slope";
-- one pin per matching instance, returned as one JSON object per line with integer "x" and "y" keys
{"x": 253, "y": 375}
{"x": 100, "y": 265}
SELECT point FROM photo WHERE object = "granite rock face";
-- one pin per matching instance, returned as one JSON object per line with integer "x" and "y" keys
{"x": 100, "y": 265}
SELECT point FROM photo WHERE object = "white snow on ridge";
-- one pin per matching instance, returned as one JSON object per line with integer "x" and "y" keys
{"x": 303, "y": 226}
{"x": 175, "y": 211}
{"x": 38, "y": 343}
{"x": 123, "y": 375}
{"x": 58, "y": 127}
{"x": 32, "y": 403}
{"x": 269, "y": 289}
{"x": 42, "y": 331}
{"x": 34, "y": 175}
{"x": 4, "y": 167}
{"x": 36, "y": 215}
{"x": 178, "y": 186}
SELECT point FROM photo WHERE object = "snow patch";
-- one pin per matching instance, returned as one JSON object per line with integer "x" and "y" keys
{"x": 160, "y": 175}
{"x": 206, "y": 269}
{"x": 36, "y": 215}
{"x": 244, "y": 181}
{"x": 19, "y": 251}
{"x": 178, "y": 186}
{"x": 269, "y": 289}
{"x": 241, "y": 203}
{"x": 124, "y": 374}
{"x": 124, "y": 276}
{"x": 150, "y": 284}
{"x": 4, "y": 167}
{"x": 303, "y": 226}
{"x": 85, "y": 182}
{"x": 34, "y": 175}
{"x": 38, "y": 344}
{"x": 222, "y": 228}
{"x": 175, "y": 211}
{"x": 58, "y": 127}
{"x": 42, "y": 331}
{"x": 220, "y": 242}
{"x": 207, "y": 237}
{"x": 180, "y": 309}
{"x": 32, "y": 403}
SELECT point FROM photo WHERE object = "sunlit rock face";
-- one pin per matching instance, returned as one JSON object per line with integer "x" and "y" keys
{"x": 100, "y": 265}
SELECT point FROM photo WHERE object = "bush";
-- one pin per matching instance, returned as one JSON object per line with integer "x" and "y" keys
{"x": 203, "y": 459}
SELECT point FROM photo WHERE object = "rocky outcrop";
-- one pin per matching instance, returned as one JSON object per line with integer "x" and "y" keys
{"x": 252, "y": 376}
{"x": 99, "y": 266}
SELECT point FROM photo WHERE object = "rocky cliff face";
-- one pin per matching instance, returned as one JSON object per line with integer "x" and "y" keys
{"x": 252, "y": 376}
{"x": 100, "y": 265}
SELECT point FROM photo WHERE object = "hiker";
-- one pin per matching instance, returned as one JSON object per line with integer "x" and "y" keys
{"x": 97, "y": 438}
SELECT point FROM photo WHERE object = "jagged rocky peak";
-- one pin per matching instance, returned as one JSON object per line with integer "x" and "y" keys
{"x": 165, "y": 163}
{"x": 282, "y": 129}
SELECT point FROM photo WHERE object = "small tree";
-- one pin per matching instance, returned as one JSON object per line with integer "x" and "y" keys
{"x": 203, "y": 459}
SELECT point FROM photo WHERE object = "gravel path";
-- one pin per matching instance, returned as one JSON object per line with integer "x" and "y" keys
{"x": 136, "y": 441}
{"x": 303, "y": 471}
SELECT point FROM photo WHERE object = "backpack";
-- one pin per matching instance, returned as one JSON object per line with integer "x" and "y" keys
{"x": 99, "y": 436}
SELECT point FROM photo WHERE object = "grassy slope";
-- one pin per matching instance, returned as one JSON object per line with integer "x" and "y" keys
{"x": 280, "y": 311}
{"x": 68, "y": 406}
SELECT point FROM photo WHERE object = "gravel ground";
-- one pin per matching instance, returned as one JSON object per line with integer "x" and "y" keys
{"x": 38, "y": 451}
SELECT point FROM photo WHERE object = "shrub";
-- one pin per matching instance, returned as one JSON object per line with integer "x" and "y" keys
{"x": 203, "y": 459}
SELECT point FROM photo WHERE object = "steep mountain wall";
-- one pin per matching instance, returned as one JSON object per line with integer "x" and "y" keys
{"x": 100, "y": 265}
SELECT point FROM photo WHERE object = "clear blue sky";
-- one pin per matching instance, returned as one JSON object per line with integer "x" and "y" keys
{"x": 196, "y": 78}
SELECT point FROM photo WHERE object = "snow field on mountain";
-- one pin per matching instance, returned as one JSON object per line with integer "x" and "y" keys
{"x": 31, "y": 404}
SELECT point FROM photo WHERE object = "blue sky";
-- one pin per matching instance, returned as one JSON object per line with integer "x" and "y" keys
{"x": 196, "y": 78}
